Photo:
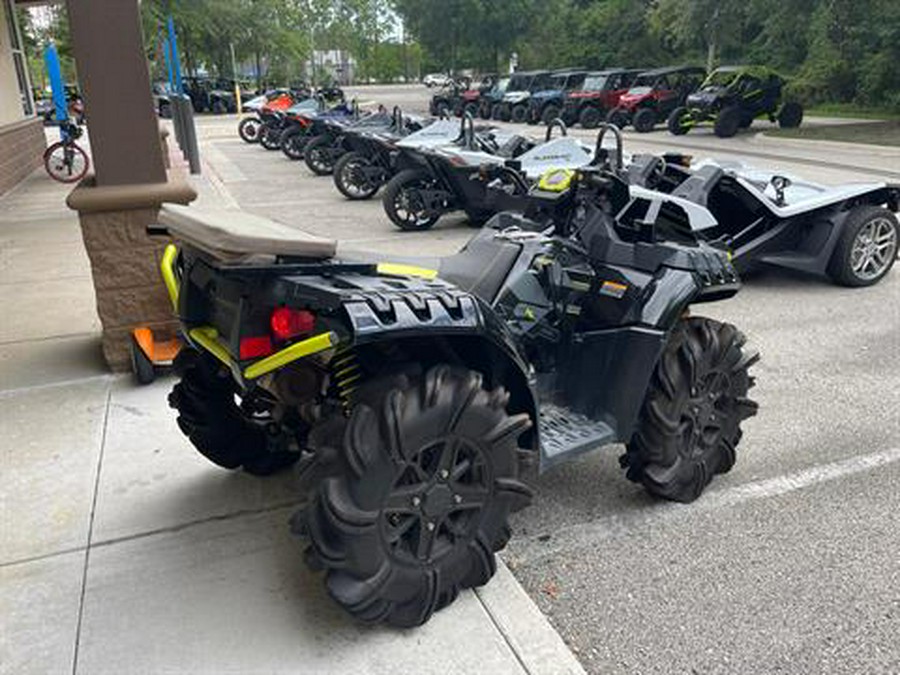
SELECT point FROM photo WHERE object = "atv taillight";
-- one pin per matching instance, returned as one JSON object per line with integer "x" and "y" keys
{"x": 254, "y": 347}
{"x": 287, "y": 322}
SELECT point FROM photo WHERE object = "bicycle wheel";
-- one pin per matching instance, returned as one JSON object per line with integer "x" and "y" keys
{"x": 67, "y": 163}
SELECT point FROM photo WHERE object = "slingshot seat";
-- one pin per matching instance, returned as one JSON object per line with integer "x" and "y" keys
{"x": 232, "y": 235}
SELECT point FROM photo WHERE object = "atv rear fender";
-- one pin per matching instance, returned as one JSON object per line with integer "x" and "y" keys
{"x": 388, "y": 315}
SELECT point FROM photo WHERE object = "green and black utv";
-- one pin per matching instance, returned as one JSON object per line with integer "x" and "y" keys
{"x": 732, "y": 97}
{"x": 421, "y": 394}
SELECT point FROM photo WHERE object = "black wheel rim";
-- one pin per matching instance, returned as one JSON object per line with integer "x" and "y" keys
{"x": 354, "y": 179}
{"x": 410, "y": 207}
{"x": 436, "y": 501}
{"x": 705, "y": 413}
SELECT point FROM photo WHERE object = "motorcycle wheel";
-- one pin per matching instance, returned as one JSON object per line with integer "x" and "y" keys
{"x": 403, "y": 203}
{"x": 249, "y": 129}
{"x": 270, "y": 138}
{"x": 351, "y": 181}
{"x": 317, "y": 155}
{"x": 293, "y": 143}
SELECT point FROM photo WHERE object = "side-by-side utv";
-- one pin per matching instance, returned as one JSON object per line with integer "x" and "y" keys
{"x": 421, "y": 395}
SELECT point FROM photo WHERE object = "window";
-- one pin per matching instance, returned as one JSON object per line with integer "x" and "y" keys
{"x": 18, "y": 55}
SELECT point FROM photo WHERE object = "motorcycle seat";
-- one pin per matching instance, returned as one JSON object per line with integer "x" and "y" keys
{"x": 233, "y": 235}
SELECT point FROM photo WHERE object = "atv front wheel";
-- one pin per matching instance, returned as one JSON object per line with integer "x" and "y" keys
{"x": 867, "y": 248}
{"x": 428, "y": 471}
{"x": 728, "y": 121}
{"x": 210, "y": 418}
{"x": 618, "y": 117}
{"x": 689, "y": 427}
{"x": 249, "y": 129}
{"x": 790, "y": 116}
{"x": 317, "y": 157}
{"x": 403, "y": 201}
{"x": 679, "y": 122}
{"x": 590, "y": 118}
{"x": 519, "y": 114}
{"x": 351, "y": 179}
{"x": 644, "y": 120}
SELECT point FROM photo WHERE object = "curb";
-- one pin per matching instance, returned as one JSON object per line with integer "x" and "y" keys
{"x": 869, "y": 148}
{"x": 535, "y": 643}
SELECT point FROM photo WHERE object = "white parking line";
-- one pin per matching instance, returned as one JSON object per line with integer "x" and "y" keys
{"x": 591, "y": 533}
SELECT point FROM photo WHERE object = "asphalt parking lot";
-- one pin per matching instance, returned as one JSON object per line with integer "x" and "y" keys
{"x": 790, "y": 563}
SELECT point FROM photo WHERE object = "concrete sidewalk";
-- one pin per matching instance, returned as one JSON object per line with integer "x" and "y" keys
{"x": 124, "y": 551}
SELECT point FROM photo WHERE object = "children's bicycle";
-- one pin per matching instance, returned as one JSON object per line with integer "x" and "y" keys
{"x": 65, "y": 160}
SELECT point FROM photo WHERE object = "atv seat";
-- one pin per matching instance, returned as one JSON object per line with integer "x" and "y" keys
{"x": 233, "y": 235}
{"x": 481, "y": 267}
{"x": 699, "y": 185}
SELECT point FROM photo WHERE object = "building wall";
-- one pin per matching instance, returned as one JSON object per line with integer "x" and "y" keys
{"x": 22, "y": 139}
{"x": 10, "y": 98}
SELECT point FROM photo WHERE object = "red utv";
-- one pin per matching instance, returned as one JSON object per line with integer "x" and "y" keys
{"x": 654, "y": 95}
{"x": 598, "y": 95}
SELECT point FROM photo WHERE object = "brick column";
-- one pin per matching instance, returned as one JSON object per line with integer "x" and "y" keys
{"x": 125, "y": 260}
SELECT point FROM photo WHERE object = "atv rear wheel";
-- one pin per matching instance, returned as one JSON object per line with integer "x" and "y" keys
{"x": 210, "y": 418}
{"x": 293, "y": 143}
{"x": 689, "y": 426}
{"x": 427, "y": 473}
{"x": 249, "y": 129}
{"x": 590, "y": 117}
{"x": 728, "y": 121}
{"x": 317, "y": 157}
{"x": 679, "y": 121}
{"x": 403, "y": 202}
{"x": 618, "y": 117}
{"x": 867, "y": 248}
{"x": 644, "y": 120}
{"x": 790, "y": 116}
{"x": 519, "y": 114}
{"x": 351, "y": 180}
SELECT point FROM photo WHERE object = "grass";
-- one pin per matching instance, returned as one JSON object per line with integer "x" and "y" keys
{"x": 852, "y": 111}
{"x": 872, "y": 133}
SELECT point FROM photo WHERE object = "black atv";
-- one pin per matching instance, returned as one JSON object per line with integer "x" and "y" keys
{"x": 732, "y": 97}
{"x": 419, "y": 397}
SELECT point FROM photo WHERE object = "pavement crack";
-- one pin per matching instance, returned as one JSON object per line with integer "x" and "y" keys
{"x": 87, "y": 550}
{"x": 221, "y": 517}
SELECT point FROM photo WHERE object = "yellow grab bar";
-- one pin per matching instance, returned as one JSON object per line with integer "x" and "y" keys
{"x": 208, "y": 338}
{"x": 313, "y": 345}
{"x": 167, "y": 267}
